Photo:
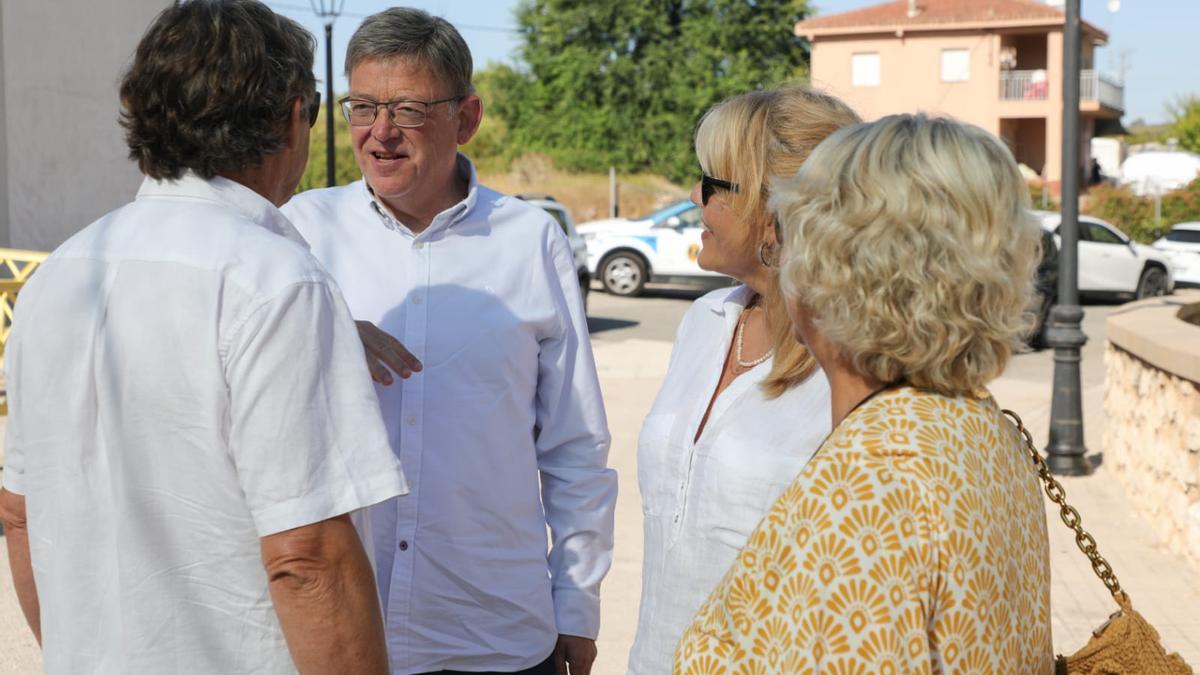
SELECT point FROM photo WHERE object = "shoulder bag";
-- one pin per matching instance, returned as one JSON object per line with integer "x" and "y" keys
{"x": 1126, "y": 643}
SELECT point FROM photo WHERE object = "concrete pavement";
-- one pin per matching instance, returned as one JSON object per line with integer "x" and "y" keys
{"x": 632, "y": 346}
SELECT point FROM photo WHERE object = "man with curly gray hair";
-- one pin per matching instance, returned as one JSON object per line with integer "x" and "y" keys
{"x": 179, "y": 472}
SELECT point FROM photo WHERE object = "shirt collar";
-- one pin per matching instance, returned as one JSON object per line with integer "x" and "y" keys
{"x": 445, "y": 219}
{"x": 228, "y": 193}
{"x": 737, "y": 298}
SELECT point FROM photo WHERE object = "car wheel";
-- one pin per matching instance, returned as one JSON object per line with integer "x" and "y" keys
{"x": 1153, "y": 282}
{"x": 623, "y": 274}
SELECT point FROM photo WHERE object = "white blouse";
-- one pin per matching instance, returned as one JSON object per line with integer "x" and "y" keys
{"x": 701, "y": 500}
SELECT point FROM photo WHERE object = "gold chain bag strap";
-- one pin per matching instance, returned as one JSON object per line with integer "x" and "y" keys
{"x": 1126, "y": 643}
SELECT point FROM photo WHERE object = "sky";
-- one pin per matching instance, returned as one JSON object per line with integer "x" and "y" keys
{"x": 1158, "y": 40}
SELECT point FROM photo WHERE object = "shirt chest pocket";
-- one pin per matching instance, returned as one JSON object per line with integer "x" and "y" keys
{"x": 661, "y": 456}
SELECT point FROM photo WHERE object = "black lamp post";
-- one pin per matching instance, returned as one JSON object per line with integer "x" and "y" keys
{"x": 1065, "y": 451}
{"x": 329, "y": 11}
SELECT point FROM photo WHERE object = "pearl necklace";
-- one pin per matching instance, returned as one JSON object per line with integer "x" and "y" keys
{"x": 741, "y": 329}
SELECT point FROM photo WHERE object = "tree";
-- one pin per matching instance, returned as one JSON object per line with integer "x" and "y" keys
{"x": 1185, "y": 122}
{"x": 622, "y": 83}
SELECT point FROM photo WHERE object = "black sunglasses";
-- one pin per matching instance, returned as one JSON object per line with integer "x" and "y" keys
{"x": 709, "y": 185}
{"x": 314, "y": 108}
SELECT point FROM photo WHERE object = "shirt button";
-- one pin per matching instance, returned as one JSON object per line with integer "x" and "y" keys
{"x": 403, "y": 545}
{"x": 412, "y": 421}
{"x": 416, "y": 299}
{"x": 418, "y": 245}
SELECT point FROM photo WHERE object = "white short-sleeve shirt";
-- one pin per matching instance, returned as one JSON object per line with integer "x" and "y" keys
{"x": 184, "y": 379}
{"x": 702, "y": 499}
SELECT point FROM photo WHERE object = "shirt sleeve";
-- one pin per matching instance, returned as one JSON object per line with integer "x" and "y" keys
{"x": 306, "y": 435}
{"x": 14, "y": 448}
{"x": 579, "y": 491}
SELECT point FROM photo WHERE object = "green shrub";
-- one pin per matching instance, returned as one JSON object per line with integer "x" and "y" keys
{"x": 1135, "y": 215}
{"x": 1041, "y": 198}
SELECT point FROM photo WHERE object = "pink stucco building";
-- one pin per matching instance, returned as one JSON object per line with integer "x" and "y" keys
{"x": 994, "y": 63}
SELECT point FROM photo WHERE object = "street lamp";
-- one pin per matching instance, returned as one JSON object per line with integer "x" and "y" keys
{"x": 329, "y": 11}
{"x": 1065, "y": 451}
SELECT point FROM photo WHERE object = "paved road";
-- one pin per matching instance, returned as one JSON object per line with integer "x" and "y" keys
{"x": 653, "y": 316}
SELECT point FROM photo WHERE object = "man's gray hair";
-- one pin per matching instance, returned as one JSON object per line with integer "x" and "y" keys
{"x": 407, "y": 33}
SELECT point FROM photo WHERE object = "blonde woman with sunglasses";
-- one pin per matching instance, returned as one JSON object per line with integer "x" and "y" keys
{"x": 743, "y": 405}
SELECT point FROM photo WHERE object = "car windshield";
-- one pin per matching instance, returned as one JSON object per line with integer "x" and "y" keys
{"x": 1184, "y": 236}
{"x": 659, "y": 215}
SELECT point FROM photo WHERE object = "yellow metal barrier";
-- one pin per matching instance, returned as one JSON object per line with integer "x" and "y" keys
{"x": 15, "y": 267}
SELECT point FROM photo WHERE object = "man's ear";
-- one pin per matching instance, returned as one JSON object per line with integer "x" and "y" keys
{"x": 297, "y": 125}
{"x": 469, "y": 116}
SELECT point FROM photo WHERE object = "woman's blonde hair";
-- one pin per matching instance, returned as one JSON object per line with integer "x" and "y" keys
{"x": 910, "y": 243}
{"x": 751, "y": 140}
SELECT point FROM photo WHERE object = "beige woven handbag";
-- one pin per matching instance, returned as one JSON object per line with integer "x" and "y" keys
{"x": 1126, "y": 643}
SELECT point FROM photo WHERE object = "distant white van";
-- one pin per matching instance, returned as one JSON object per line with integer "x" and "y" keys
{"x": 1159, "y": 172}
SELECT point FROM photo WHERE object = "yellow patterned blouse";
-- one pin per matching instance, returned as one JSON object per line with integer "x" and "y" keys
{"x": 913, "y": 542}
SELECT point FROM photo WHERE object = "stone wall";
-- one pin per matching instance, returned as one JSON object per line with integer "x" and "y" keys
{"x": 1152, "y": 431}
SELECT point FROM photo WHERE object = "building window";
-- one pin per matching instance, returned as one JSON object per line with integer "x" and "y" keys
{"x": 864, "y": 69}
{"x": 956, "y": 65}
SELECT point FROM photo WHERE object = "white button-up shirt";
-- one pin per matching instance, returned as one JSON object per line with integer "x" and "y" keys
{"x": 183, "y": 380}
{"x": 702, "y": 499}
{"x": 488, "y": 299}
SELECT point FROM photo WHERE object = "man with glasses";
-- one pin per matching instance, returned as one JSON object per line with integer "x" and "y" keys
{"x": 191, "y": 420}
{"x": 503, "y": 431}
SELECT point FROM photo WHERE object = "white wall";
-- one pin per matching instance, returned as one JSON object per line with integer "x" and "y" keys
{"x": 63, "y": 153}
{"x": 3, "y": 143}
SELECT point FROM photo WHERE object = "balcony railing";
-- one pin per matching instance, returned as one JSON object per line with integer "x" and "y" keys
{"x": 1024, "y": 85}
{"x": 1096, "y": 87}
{"x": 1033, "y": 85}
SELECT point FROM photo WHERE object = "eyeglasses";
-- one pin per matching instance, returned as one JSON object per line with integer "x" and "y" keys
{"x": 314, "y": 108}
{"x": 709, "y": 185}
{"x": 361, "y": 112}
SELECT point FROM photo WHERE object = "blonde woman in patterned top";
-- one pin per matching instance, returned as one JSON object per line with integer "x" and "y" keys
{"x": 915, "y": 539}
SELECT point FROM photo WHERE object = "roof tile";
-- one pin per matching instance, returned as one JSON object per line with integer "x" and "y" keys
{"x": 933, "y": 12}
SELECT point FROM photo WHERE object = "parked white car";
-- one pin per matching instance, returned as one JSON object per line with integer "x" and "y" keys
{"x": 567, "y": 223}
{"x": 1110, "y": 264}
{"x": 661, "y": 247}
{"x": 1182, "y": 246}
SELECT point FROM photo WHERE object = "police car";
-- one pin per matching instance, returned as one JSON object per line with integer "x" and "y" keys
{"x": 661, "y": 247}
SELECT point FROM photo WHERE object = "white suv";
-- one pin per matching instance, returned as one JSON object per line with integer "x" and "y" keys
{"x": 578, "y": 247}
{"x": 1110, "y": 264}
{"x": 1182, "y": 245}
{"x": 661, "y": 246}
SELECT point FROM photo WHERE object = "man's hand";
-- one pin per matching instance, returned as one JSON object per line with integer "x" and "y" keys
{"x": 574, "y": 655}
{"x": 12, "y": 514}
{"x": 384, "y": 352}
